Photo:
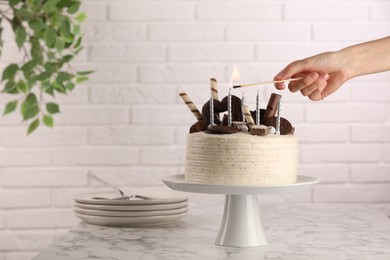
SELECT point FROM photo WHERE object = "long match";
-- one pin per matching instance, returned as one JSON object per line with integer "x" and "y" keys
{"x": 266, "y": 82}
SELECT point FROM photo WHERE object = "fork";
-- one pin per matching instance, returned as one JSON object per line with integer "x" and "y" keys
{"x": 122, "y": 197}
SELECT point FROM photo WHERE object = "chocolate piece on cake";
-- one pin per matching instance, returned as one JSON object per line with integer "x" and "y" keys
{"x": 206, "y": 112}
{"x": 285, "y": 126}
{"x": 222, "y": 129}
{"x": 199, "y": 126}
{"x": 272, "y": 107}
{"x": 260, "y": 130}
{"x": 236, "y": 107}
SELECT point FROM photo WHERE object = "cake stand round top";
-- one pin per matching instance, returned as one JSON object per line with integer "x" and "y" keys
{"x": 177, "y": 182}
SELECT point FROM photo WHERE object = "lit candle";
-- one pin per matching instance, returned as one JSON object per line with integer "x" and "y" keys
{"x": 278, "y": 118}
{"x": 229, "y": 108}
{"x": 242, "y": 107}
{"x": 257, "y": 109}
{"x": 211, "y": 111}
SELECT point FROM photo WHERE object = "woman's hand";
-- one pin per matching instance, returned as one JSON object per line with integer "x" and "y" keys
{"x": 322, "y": 75}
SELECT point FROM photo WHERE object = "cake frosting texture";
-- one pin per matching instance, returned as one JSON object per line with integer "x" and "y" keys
{"x": 241, "y": 158}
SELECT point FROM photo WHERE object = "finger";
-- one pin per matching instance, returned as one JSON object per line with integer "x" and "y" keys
{"x": 318, "y": 94}
{"x": 315, "y": 85}
{"x": 295, "y": 86}
{"x": 290, "y": 70}
{"x": 280, "y": 86}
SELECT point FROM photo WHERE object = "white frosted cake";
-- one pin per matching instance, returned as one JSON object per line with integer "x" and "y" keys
{"x": 234, "y": 148}
{"x": 241, "y": 158}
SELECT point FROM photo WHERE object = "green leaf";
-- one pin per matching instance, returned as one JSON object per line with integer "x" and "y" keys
{"x": 85, "y": 72}
{"x": 60, "y": 44}
{"x": 33, "y": 126}
{"x": 29, "y": 111}
{"x": 28, "y": 67}
{"x": 20, "y": 35}
{"x": 22, "y": 86}
{"x": 24, "y": 14}
{"x": 10, "y": 71}
{"x": 35, "y": 49}
{"x": 70, "y": 86}
{"x": 10, "y": 87}
{"x": 74, "y": 8}
{"x": 44, "y": 75}
{"x": 31, "y": 99}
{"x": 10, "y": 107}
{"x": 78, "y": 42}
{"x": 50, "y": 36}
{"x": 59, "y": 87}
{"x": 80, "y": 17}
{"x": 81, "y": 79}
{"x": 14, "y": 2}
{"x": 37, "y": 25}
{"x": 48, "y": 120}
{"x": 63, "y": 76}
{"x": 52, "y": 108}
{"x": 50, "y": 6}
{"x": 67, "y": 58}
{"x": 65, "y": 27}
{"x": 76, "y": 29}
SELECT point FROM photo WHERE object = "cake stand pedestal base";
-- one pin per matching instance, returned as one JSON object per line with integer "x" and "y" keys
{"x": 241, "y": 225}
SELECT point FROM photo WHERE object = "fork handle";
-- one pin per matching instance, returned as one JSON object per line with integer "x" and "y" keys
{"x": 97, "y": 179}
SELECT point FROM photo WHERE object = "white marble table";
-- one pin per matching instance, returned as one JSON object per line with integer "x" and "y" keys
{"x": 295, "y": 232}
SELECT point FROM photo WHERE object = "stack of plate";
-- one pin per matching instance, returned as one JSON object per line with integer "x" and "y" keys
{"x": 107, "y": 210}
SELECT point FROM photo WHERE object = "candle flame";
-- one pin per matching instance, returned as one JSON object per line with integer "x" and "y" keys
{"x": 235, "y": 76}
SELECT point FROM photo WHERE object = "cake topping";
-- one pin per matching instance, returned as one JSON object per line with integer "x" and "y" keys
{"x": 258, "y": 130}
{"x": 271, "y": 130}
{"x": 285, "y": 126}
{"x": 238, "y": 117}
{"x": 248, "y": 116}
{"x": 191, "y": 105}
{"x": 271, "y": 107}
{"x": 222, "y": 129}
{"x": 214, "y": 88}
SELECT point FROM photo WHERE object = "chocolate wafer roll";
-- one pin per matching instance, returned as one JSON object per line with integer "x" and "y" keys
{"x": 214, "y": 88}
{"x": 272, "y": 107}
{"x": 248, "y": 116}
{"x": 191, "y": 106}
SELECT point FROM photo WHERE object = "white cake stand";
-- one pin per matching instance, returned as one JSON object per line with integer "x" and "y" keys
{"x": 241, "y": 224}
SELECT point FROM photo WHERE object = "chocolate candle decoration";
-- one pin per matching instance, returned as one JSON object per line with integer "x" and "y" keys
{"x": 214, "y": 88}
{"x": 191, "y": 106}
{"x": 257, "y": 109}
{"x": 242, "y": 106}
{"x": 229, "y": 108}
{"x": 248, "y": 116}
{"x": 278, "y": 118}
{"x": 211, "y": 111}
{"x": 272, "y": 106}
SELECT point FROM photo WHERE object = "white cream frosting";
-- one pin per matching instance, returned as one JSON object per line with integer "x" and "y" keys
{"x": 241, "y": 158}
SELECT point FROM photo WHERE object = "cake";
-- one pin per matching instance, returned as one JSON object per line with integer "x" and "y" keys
{"x": 237, "y": 151}
{"x": 241, "y": 158}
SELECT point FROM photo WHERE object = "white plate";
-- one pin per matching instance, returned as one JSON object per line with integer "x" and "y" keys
{"x": 130, "y": 221}
{"x": 112, "y": 213}
{"x": 177, "y": 182}
{"x": 133, "y": 207}
{"x": 156, "y": 198}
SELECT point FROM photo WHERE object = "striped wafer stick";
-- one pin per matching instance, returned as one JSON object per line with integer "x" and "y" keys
{"x": 214, "y": 88}
{"x": 248, "y": 116}
{"x": 191, "y": 105}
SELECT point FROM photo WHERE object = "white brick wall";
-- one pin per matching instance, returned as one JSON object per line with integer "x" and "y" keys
{"x": 128, "y": 125}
